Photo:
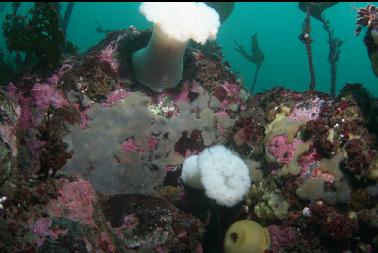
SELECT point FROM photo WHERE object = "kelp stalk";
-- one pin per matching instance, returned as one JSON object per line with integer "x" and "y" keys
{"x": 67, "y": 17}
{"x": 255, "y": 79}
{"x": 64, "y": 21}
{"x": 306, "y": 39}
{"x": 334, "y": 54}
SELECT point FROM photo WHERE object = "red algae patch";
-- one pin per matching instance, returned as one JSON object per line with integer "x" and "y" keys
{"x": 75, "y": 200}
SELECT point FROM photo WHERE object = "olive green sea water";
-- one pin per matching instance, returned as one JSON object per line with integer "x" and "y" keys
{"x": 277, "y": 25}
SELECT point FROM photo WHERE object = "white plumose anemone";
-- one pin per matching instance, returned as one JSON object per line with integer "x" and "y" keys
{"x": 223, "y": 175}
{"x": 159, "y": 65}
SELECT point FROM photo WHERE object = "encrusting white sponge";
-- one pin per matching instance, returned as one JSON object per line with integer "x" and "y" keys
{"x": 222, "y": 174}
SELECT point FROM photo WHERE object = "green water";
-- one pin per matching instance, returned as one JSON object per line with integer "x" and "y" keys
{"x": 278, "y": 26}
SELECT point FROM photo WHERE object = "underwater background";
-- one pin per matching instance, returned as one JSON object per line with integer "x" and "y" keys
{"x": 277, "y": 25}
{"x": 115, "y": 137}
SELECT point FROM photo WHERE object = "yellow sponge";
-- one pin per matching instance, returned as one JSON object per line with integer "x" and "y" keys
{"x": 246, "y": 236}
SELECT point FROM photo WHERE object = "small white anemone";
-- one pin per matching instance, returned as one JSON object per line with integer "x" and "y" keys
{"x": 159, "y": 65}
{"x": 190, "y": 172}
{"x": 222, "y": 174}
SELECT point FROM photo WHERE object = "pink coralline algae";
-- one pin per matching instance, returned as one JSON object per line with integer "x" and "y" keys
{"x": 306, "y": 111}
{"x": 116, "y": 96}
{"x": 12, "y": 91}
{"x": 281, "y": 237}
{"x": 152, "y": 143}
{"x": 84, "y": 120}
{"x": 34, "y": 146}
{"x": 232, "y": 90}
{"x": 160, "y": 249}
{"x": 107, "y": 55}
{"x": 41, "y": 226}
{"x": 228, "y": 94}
{"x": 75, "y": 201}
{"x": 198, "y": 55}
{"x": 129, "y": 222}
{"x": 130, "y": 146}
{"x": 199, "y": 248}
{"x": 106, "y": 243}
{"x": 42, "y": 229}
{"x": 170, "y": 167}
{"x": 282, "y": 149}
{"x": 307, "y": 161}
{"x": 335, "y": 225}
{"x": 46, "y": 94}
{"x": 325, "y": 176}
{"x": 178, "y": 95}
{"x": 25, "y": 118}
{"x": 183, "y": 95}
{"x": 310, "y": 167}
